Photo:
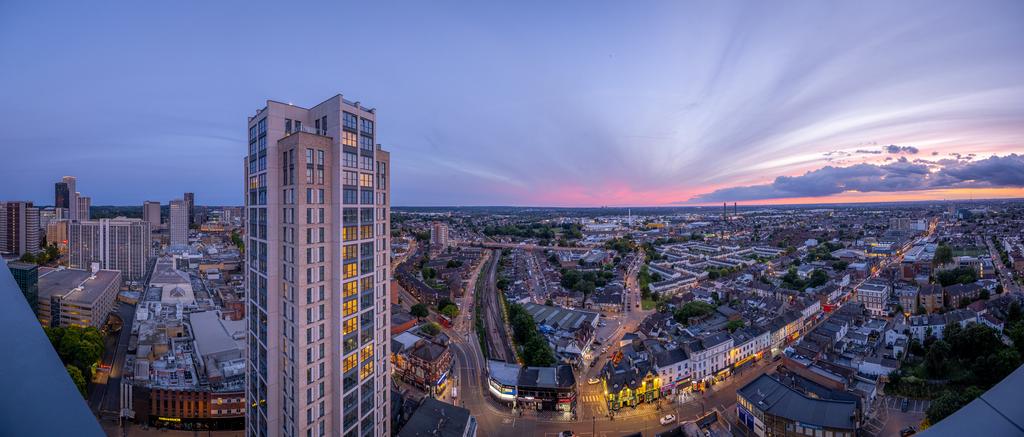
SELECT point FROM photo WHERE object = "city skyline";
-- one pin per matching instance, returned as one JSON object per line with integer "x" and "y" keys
{"x": 725, "y": 101}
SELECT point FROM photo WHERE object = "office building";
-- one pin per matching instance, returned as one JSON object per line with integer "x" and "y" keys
{"x": 19, "y": 228}
{"x": 57, "y": 233}
{"x": 84, "y": 204}
{"x": 317, "y": 224}
{"x": 190, "y": 207}
{"x": 438, "y": 237}
{"x": 151, "y": 213}
{"x": 121, "y": 244}
{"x": 178, "y": 223}
{"x": 69, "y": 202}
{"x": 77, "y": 297}
{"x": 27, "y": 277}
{"x": 61, "y": 198}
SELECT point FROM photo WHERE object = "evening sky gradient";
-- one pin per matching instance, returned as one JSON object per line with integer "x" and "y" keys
{"x": 527, "y": 103}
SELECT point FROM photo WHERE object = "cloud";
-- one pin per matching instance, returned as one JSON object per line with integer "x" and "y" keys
{"x": 899, "y": 176}
{"x": 892, "y": 148}
{"x": 871, "y": 152}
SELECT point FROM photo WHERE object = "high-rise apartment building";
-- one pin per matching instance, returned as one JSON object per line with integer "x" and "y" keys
{"x": 19, "y": 228}
{"x": 178, "y": 223}
{"x": 84, "y": 204}
{"x": 190, "y": 207}
{"x": 151, "y": 213}
{"x": 121, "y": 244}
{"x": 438, "y": 237}
{"x": 317, "y": 218}
{"x": 70, "y": 203}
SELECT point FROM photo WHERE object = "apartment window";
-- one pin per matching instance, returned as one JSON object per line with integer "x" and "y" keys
{"x": 349, "y": 289}
{"x": 367, "y": 127}
{"x": 287, "y": 126}
{"x": 351, "y": 178}
{"x": 349, "y": 120}
{"x": 349, "y": 196}
{"x": 366, "y": 180}
{"x": 366, "y": 197}
{"x": 366, "y": 143}
{"x": 366, "y": 163}
{"x": 348, "y": 216}
{"x": 349, "y": 233}
{"x": 350, "y": 160}
{"x": 348, "y": 139}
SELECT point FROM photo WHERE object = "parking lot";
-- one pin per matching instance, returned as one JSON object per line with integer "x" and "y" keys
{"x": 913, "y": 405}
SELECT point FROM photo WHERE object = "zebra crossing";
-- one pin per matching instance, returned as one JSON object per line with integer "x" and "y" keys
{"x": 592, "y": 399}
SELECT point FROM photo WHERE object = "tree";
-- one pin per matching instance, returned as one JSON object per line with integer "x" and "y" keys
{"x": 549, "y": 302}
{"x": 733, "y": 325}
{"x": 453, "y": 264}
{"x": 419, "y": 310}
{"x": 818, "y": 278}
{"x": 451, "y": 311}
{"x": 949, "y": 402}
{"x": 431, "y": 329}
{"x": 693, "y": 309}
{"x": 935, "y": 359}
{"x": 77, "y": 378}
{"x": 943, "y": 255}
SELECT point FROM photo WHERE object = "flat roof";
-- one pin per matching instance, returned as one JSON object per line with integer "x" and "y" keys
{"x": 211, "y": 335}
{"x": 560, "y": 318}
{"x": 64, "y": 282}
{"x": 436, "y": 419}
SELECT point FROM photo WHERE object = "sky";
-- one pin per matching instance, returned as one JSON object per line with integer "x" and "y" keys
{"x": 527, "y": 103}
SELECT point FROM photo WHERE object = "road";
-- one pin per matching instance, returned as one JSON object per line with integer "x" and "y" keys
{"x": 104, "y": 399}
{"x": 1005, "y": 276}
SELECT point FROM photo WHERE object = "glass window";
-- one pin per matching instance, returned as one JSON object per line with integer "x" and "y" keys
{"x": 350, "y": 160}
{"x": 366, "y": 163}
{"x": 349, "y": 289}
{"x": 349, "y": 120}
{"x": 365, "y": 180}
{"x": 351, "y": 178}
{"x": 349, "y": 196}
{"x": 366, "y": 143}
{"x": 367, "y": 127}
{"x": 348, "y": 139}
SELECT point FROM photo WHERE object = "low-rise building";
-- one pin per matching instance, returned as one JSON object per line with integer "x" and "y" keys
{"x": 434, "y": 418}
{"x": 74, "y": 297}
{"x": 874, "y": 296}
{"x": 423, "y": 362}
{"x": 768, "y": 407}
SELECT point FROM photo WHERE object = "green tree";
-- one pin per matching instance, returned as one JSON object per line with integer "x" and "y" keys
{"x": 451, "y": 311}
{"x": 77, "y": 378}
{"x": 419, "y": 311}
{"x": 431, "y": 329}
{"x": 693, "y": 309}
{"x": 935, "y": 359}
{"x": 943, "y": 255}
{"x": 733, "y": 325}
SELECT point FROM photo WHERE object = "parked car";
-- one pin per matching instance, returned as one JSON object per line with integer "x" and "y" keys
{"x": 668, "y": 418}
{"x": 593, "y": 381}
{"x": 566, "y": 434}
{"x": 910, "y": 430}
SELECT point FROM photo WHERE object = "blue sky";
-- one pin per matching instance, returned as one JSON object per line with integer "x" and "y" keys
{"x": 526, "y": 103}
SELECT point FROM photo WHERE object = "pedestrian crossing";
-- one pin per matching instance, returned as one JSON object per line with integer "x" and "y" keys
{"x": 595, "y": 399}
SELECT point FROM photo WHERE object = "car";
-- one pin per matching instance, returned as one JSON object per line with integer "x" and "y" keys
{"x": 566, "y": 434}
{"x": 602, "y": 324}
{"x": 593, "y": 381}
{"x": 904, "y": 405}
{"x": 910, "y": 430}
{"x": 667, "y": 419}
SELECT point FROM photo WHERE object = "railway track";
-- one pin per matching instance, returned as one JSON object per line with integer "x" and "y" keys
{"x": 498, "y": 345}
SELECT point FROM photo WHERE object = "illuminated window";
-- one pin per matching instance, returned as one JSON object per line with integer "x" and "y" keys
{"x": 366, "y": 283}
{"x": 349, "y": 308}
{"x": 350, "y": 362}
{"x": 366, "y": 371}
{"x": 350, "y": 251}
{"x": 366, "y": 352}
{"x": 366, "y": 180}
{"x": 350, "y": 270}
{"x": 349, "y": 289}
{"x": 349, "y": 326}
{"x": 348, "y": 139}
{"x": 348, "y": 233}
{"x": 366, "y": 231}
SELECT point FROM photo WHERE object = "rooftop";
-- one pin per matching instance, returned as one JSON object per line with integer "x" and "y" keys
{"x": 773, "y": 397}
{"x": 75, "y": 284}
